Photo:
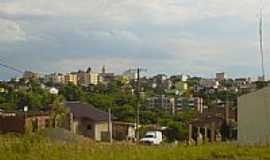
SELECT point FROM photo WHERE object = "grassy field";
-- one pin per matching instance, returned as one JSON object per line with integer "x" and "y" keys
{"x": 38, "y": 148}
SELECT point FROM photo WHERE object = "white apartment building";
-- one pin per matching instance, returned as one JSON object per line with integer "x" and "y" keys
{"x": 71, "y": 78}
{"x": 55, "y": 78}
{"x": 87, "y": 78}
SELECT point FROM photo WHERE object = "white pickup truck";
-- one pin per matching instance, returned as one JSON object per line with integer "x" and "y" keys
{"x": 152, "y": 137}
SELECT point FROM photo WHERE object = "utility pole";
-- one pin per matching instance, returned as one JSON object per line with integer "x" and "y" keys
{"x": 227, "y": 116}
{"x": 110, "y": 125}
{"x": 138, "y": 105}
{"x": 227, "y": 107}
{"x": 138, "y": 92}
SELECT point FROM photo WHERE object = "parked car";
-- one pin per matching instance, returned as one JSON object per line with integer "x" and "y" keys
{"x": 152, "y": 137}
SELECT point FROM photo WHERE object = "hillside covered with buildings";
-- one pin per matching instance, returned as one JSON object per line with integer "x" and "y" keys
{"x": 183, "y": 107}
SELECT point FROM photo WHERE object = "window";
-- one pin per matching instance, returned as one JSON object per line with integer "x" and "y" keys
{"x": 149, "y": 136}
{"x": 89, "y": 127}
{"x": 47, "y": 123}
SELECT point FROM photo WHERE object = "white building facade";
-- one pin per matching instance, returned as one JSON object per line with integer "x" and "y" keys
{"x": 254, "y": 118}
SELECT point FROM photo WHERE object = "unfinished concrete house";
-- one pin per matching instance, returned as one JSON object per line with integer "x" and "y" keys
{"x": 86, "y": 120}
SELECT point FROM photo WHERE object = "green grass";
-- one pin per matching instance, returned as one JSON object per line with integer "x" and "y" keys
{"x": 39, "y": 148}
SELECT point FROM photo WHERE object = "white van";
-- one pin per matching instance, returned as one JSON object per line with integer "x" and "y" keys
{"x": 152, "y": 137}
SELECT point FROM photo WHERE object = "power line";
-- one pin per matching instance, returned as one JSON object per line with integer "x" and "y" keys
{"x": 11, "y": 68}
{"x": 15, "y": 69}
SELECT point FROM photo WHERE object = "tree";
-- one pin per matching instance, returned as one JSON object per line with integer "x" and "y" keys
{"x": 58, "y": 111}
{"x": 34, "y": 101}
{"x": 173, "y": 132}
{"x": 100, "y": 101}
{"x": 148, "y": 117}
{"x": 72, "y": 92}
{"x": 124, "y": 113}
{"x": 8, "y": 106}
{"x": 186, "y": 116}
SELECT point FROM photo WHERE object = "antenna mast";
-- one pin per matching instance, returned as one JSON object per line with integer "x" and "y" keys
{"x": 261, "y": 44}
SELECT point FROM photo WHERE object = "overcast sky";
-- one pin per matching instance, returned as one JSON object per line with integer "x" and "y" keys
{"x": 198, "y": 37}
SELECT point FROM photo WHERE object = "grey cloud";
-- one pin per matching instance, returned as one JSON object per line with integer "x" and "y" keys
{"x": 167, "y": 36}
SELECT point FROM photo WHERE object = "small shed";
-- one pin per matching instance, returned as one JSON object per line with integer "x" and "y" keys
{"x": 124, "y": 131}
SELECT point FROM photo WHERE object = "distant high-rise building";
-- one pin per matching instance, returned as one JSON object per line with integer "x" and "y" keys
{"x": 71, "y": 78}
{"x": 94, "y": 78}
{"x": 28, "y": 75}
{"x": 162, "y": 102}
{"x": 191, "y": 102}
{"x": 83, "y": 79}
{"x": 55, "y": 78}
{"x": 87, "y": 78}
{"x": 220, "y": 76}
